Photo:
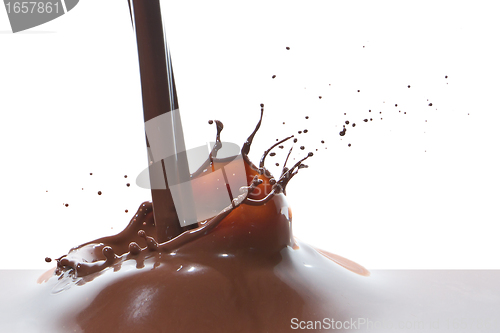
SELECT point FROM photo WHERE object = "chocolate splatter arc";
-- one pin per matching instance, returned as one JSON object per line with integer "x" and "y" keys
{"x": 108, "y": 251}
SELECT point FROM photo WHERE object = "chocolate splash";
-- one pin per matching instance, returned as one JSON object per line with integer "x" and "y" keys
{"x": 137, "y": 241}
{"x": 241, "y": 270}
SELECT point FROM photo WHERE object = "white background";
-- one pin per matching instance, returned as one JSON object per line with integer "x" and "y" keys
{"x": 415, "y": 190}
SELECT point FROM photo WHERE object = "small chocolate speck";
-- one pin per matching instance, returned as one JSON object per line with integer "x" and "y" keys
{"x": 91, "y": 173}
{"x": 128, "y": 184}
{"x": 47, "y": 259}
{"x": 288, "y": 47}
{"x": 347, "y": 122}
{"x": 430, "y": 104}
{"x": 320, "y": 97}
{"x": 126, "y": 210}
{"x": 446, "y": 76}
{"x": 342, "y": 133}
{"x": 395, "y": 105}
{"x": 261, "y": 105}
{"x": 353, "y": 124}
{"x": 322, "y": 141}
{"x": 273, "y": 76}
{"x": 348, "y": 145}
{"x": 277, "y": 164}
{"x": 305, "y": 131}
{"x": 359, "y": 90}
{"x": 99, "y": 192}
{"x": 272, "y": 154}
{"x": 281, "y": 147}
{"x": 371, "y": 119}
{"x": 302, "y": 147}
{"x": 295, "y": 140}
{"x": 66, "y": 205}
{"x": 365, "y": 120}
{"x": 408, "y": 86}
{"x": 125, "y": 176}
{"x": 210, "y": 121}
{"x": 283, "y": 123}
{"x": 300, "y": 132}
{"x": 307, "y": 117}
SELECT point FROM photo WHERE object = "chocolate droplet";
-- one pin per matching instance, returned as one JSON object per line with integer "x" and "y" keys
{"x": 134, "y": 248}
